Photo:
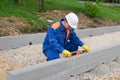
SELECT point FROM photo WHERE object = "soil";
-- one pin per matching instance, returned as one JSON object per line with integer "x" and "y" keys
{"x": 9, "y": 26}
{"x": 84, "y": 21}
{"x": 6, "y": 66}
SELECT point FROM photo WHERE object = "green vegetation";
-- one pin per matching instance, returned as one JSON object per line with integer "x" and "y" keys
{"x": 72, "y": 5}
{"x": 27, "y": 8}
{"x": 97, "y": 10}
{"x": 24, "y": 9}
{"x": 110, "y": 12}
{"x": 93, "y": 10}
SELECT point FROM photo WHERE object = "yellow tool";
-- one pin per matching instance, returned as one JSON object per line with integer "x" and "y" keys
{"x": 77, "y": 52}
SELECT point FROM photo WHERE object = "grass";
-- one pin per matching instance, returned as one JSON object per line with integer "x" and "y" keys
{"x": 22, "y": 10}
{"x": 26, "y": 8}
{"x": 72, "y": 5}
{"x": 110, "y": 12}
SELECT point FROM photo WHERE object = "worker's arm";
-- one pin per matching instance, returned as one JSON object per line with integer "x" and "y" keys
{"x": 78, "y": 42}
{"x": 74, "y": 38}
{"x": 53, "y": 42}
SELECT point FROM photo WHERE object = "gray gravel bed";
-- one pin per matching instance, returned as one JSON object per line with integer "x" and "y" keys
{"x": 108, "y": 71}
{"x": 32, "y": 54}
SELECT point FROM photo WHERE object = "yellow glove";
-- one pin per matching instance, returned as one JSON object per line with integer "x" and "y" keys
{"x": 67, "y": 53}
{"x": 86, "y": 48}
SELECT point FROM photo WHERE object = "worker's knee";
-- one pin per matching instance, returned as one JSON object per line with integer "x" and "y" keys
{"x": 51, "y": 55}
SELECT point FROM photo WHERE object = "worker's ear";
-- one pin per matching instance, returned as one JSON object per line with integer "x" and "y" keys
{"x": 66, "y": 22}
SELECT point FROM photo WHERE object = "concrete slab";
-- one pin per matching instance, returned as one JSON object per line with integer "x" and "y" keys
{"x": 11, "y": 42}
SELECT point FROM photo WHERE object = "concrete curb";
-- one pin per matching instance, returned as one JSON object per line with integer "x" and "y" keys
{"x": 12, "y": 42}
{"x": 61, "y": 69}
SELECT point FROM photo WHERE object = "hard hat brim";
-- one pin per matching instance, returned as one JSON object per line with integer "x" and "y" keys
{"x": 75, "y": 26}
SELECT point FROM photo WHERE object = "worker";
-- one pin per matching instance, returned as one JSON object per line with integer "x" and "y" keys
{"x": 61, "y": 38}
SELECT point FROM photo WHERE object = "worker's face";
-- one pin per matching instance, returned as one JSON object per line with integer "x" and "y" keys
{"x": 67, "y": 26}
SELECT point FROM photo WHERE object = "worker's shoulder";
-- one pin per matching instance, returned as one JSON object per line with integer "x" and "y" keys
{"x": 55, "y": 25}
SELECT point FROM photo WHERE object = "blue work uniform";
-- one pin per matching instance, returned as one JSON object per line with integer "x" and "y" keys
{"x": 59, "y": 39}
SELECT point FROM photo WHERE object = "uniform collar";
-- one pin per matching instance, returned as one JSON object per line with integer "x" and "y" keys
{"x": 62, "y": 28}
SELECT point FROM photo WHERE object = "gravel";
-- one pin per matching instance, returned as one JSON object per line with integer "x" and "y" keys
{"x": 108, "y": 71}
{"x": 27, "y": 55}
{"x": 32, "y": 54}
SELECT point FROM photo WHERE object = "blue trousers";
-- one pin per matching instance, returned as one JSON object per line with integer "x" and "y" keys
{"x": 53, "y": 54}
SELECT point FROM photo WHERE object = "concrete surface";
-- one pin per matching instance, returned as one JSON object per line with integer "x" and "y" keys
{"x": 11, "y": 42}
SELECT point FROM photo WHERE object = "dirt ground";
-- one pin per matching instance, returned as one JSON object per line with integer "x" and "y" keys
{"x": 84, "y": 21}
{"x": 8, "y": 26}
{"x": 6, "y": 66}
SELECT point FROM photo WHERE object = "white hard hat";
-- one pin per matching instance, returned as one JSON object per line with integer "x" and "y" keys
{"x": 72, "y": 20}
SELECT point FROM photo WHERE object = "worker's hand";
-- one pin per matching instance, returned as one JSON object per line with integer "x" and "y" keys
{"x": 67, "y": 53}
{"x": 86, "y": 48}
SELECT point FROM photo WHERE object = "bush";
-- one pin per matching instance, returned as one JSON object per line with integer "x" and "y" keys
{"x": 93, "y": 10}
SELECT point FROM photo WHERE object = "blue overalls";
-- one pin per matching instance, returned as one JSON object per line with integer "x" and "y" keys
{"x": 57, "y": 40}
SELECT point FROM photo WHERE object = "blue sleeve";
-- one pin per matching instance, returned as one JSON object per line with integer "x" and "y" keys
{"x": 53, "y": 42}
{"x": 76, "y": 40}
